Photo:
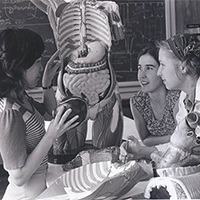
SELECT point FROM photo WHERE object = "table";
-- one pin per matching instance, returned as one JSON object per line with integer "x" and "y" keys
{"x": 55, "y": 170}
{"x": 129, "y": 128}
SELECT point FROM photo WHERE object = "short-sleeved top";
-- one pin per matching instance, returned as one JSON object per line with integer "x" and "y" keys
{"x": 164, "y": 126}
{"x": 20, "y": 132}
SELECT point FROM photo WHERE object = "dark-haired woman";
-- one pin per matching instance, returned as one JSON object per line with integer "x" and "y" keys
{"x": 179, "y": 58}
{"x": 24, "y": 143}
{"x": 154, "y": 107}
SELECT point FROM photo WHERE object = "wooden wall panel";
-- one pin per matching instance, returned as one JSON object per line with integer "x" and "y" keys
{"x": 187, "y": 12}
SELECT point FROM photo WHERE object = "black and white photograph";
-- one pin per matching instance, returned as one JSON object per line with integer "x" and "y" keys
{"x": 99, "y": 99}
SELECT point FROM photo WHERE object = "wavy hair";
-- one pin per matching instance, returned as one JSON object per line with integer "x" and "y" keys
{"x": 152, "y": 50}
{"x": 19, "y": 49}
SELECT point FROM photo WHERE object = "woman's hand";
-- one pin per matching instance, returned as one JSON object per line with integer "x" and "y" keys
{"x": 60, "y": 124}
{"x": 130, "y": 150}
{"x": 52, "y": 68}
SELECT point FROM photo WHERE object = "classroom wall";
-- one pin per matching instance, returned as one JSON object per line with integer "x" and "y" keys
{"x": 187, "y": 13}
{"x": 144, "y": 22}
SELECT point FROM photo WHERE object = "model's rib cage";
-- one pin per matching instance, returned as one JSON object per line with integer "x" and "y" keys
{"x": 96, "y": 26}
{"x": 86, "y": 177}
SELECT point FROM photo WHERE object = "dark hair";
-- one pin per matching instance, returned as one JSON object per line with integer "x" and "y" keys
{"x": 19, "y": 49}
{"x": 152, "y": 50}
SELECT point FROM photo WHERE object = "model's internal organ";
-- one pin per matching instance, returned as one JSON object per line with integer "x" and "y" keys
{"x": 101, "y": 180}
{"x": 84, "y": 36}
{"x": 88, "y": 76}
{"x": 83, "y": 29}
{"x": 78, "y": 106}
{"x": 178, "y": 187}
{"x": 91, "y": 85}
{"x": 183, "y": 150}
{"x": 87, "y": 73}
{"x": 184, "y": 147}
{"x": 94, "y": 52}
{"x": 92, "y": 156}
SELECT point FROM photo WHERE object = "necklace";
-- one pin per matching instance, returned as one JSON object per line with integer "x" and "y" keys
{"x": 157, "y": 114}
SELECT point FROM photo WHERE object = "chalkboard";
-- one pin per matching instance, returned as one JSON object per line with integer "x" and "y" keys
{"x": 23, "y": 14}
{"x": 144, "y": 21}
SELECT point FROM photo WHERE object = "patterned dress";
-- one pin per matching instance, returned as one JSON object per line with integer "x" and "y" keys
{"x": 164, "y": 126}
{"x": 21, "y": 131}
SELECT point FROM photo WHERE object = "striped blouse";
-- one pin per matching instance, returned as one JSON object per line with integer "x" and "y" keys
{"x": 20, "y": 132}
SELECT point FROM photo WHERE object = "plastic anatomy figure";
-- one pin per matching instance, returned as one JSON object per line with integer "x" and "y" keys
{"x": 84, "y": 30}
{"x": 184, "y": 148}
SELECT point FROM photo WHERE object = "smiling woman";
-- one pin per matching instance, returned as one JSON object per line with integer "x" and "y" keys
{"x": 154, "y": 107}
{"x": 147, "y": 74}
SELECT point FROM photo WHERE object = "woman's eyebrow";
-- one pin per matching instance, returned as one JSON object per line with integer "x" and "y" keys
{"x": 149, "y": 65}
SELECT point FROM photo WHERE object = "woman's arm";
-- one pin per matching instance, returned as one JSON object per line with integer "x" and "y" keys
{"x": 140, "y": 123}
{"x": 153, "y": 140}
{"x": 56, "y": 128}
{"x": 133, "y": 150}
{"x": 51, "y": 69}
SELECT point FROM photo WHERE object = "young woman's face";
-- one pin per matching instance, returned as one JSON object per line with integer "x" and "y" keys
{"x": 33, "y": 74}
{"x": 169, "y": 71}
{"x": 147, "y": 73}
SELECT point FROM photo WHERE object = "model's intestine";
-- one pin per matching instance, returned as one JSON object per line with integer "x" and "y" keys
{"x": 87, "y": 76}
{"x": 84, "y": 40}
{"x": 84, "y": 30}
{"x": 91, "y": 85}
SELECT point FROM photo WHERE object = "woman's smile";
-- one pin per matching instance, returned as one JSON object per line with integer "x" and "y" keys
{"x": 144, "y": 83}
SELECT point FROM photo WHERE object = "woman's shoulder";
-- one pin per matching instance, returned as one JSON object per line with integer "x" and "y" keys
{"x": 10, "y": 108}
{"x": 139, "y": 95}
{"x": 8, "y": 104}
{"x": 10, "y": 113}
{"x": 139, "y": 99}
{"x": 12, "y": 134}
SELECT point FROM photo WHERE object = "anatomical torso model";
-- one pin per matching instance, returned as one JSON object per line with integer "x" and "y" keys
{"x": 84, "y": 30}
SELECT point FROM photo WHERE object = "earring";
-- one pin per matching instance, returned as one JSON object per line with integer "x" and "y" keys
{"x": 183, "y": 70}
